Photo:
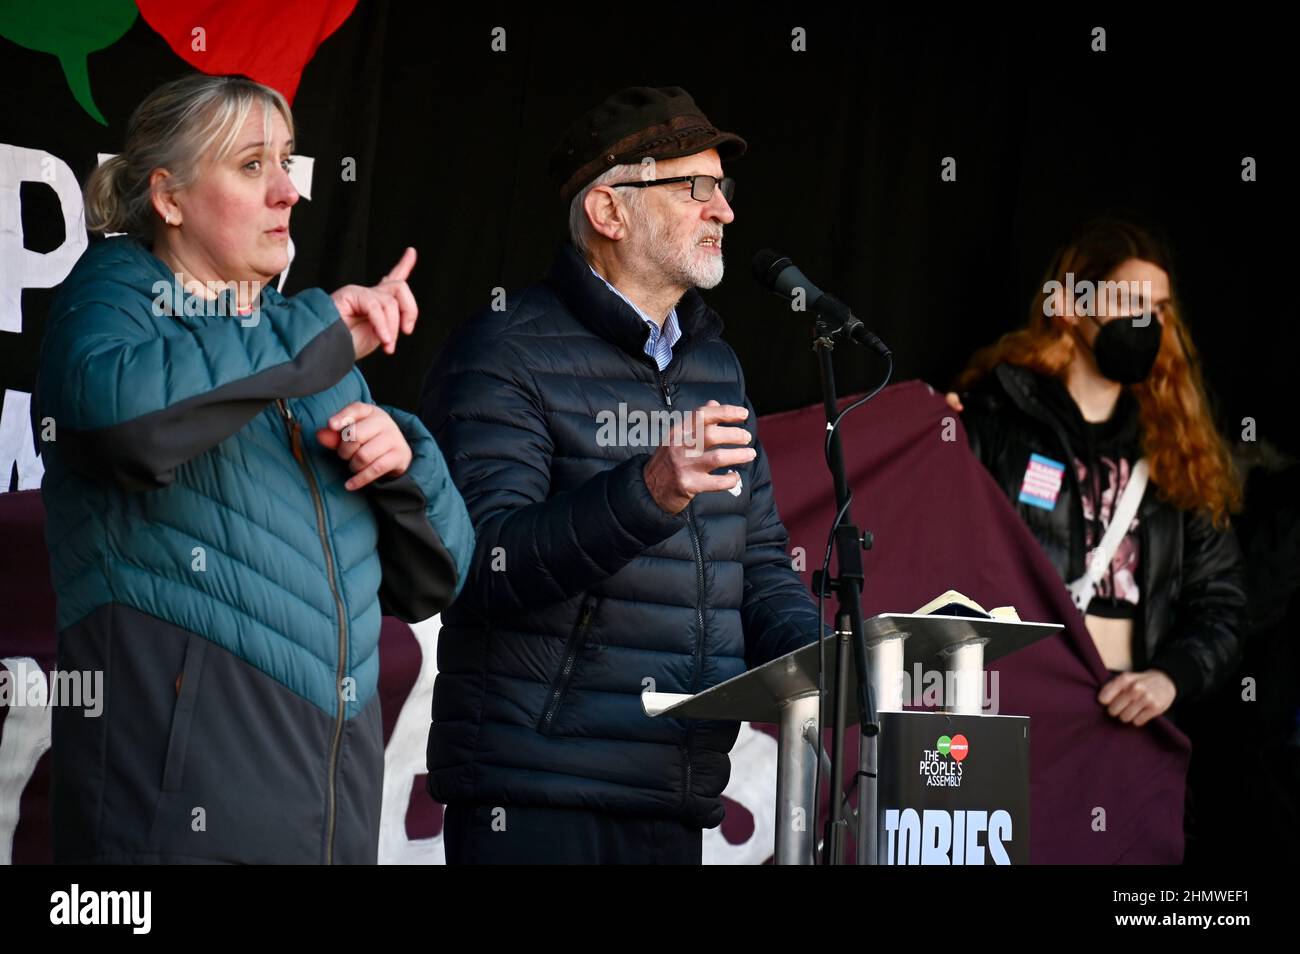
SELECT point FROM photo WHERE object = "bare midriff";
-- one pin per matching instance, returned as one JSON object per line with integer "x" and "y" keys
{"x": 1114, "y": 639}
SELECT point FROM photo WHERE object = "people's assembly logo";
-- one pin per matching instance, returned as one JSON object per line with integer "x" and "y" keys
{"x": 941, "y": 765}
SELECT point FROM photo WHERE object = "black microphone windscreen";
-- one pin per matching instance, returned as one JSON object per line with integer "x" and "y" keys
{"x": 767, "y": 265}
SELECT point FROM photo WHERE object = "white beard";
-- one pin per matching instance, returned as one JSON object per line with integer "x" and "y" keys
{"x": 689, "y": 266}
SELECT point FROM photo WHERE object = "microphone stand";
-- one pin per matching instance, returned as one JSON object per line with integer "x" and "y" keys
{"x": 847, "y": 585}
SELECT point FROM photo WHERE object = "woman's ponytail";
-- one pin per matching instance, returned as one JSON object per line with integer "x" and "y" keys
{"x": 106, "y": 200}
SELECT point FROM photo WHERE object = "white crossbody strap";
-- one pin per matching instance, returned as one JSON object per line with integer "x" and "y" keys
{"x": 1081, "y": 590}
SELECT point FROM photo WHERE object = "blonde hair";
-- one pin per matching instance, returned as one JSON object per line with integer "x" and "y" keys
{"x": 178, "y": 125}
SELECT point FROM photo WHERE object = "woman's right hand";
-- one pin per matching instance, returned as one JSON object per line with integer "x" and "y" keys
{"x": 953, "y": 400}
{"x": 375, "y": 315}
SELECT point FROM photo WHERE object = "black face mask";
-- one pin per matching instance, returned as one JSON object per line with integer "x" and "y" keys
{"x": 1125, "y": 352}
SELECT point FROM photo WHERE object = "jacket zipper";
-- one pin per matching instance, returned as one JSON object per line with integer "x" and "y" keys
{"x": 699, "y": 617}
{"x": 699, "y": 644}
{"x": 663, "y": 386}
{"x": 699, "y": 600}
{"x": 295, "y": 442}
{"x": 1141, "y": 655}
{"x": 576, "y": 640}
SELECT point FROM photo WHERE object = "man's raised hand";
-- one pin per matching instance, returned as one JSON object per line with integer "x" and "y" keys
{"x": 680, "y": 468}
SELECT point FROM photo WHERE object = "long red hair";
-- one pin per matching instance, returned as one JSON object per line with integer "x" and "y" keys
{"x": 1191, "y": 466}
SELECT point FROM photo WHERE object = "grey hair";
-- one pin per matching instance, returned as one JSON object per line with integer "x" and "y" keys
{"x": 580, "y": 230}
{"x": 178, "y": 125}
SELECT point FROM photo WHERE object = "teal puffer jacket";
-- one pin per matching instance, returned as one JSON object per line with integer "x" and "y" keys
{"x": 209, "y": 561}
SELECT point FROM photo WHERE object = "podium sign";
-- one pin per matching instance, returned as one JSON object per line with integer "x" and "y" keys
{"x": 953, "y": 789}
{"x": 992, "y": 774}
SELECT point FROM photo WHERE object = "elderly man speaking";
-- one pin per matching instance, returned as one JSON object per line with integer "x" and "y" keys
{"x": 614, "y": 554}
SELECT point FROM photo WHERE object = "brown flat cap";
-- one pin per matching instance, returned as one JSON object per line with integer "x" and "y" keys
{"x": 660, "y": 122}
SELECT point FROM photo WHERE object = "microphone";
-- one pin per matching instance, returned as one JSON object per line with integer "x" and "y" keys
{"x": 781, "y": 276}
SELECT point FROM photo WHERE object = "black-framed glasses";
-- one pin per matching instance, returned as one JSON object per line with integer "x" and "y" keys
{"x": 701, "y": 186}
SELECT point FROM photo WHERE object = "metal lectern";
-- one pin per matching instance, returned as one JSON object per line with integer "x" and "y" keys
{"x": 784, "y": 692}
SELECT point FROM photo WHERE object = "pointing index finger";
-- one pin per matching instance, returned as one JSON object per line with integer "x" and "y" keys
{"x": 403, "y": 267}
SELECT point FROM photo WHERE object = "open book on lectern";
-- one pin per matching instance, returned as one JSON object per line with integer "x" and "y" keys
{"x": 953, "y": 603}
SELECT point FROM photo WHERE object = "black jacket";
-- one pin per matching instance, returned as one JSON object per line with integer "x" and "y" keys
{"x": 1190, "y": 620}
{"x": 583, "y": 592}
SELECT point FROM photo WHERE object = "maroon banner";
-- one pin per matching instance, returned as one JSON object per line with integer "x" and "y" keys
{"x": 1101, "y": 792}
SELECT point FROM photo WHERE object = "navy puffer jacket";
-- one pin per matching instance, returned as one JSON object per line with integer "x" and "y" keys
{"x": 583, "y": 591}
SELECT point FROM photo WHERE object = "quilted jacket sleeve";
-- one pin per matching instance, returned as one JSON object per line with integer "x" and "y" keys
{"x": 425, "y": 537}
{"x": 533, "y": 548}
{"x": 1204, "y": 644}
{"x": 133, "y": 398}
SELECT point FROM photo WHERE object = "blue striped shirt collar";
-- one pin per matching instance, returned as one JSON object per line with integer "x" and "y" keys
{"x": 660, "y": 343}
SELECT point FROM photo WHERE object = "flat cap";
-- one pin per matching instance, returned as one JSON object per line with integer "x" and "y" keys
{"x": 640, "y": 121}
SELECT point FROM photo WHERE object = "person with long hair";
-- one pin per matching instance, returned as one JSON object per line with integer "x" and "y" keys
{"x": 1103, "y": 386}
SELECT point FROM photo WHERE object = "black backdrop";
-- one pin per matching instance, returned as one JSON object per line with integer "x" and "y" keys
{"x": 451, "y": 139}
